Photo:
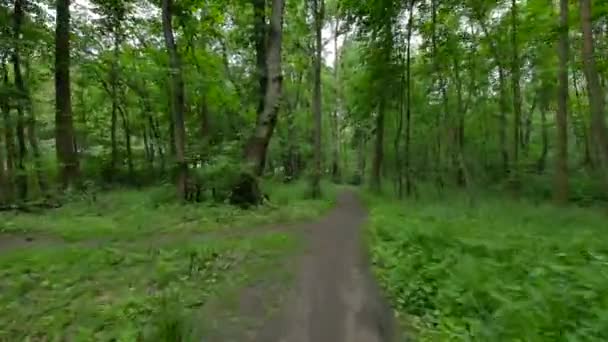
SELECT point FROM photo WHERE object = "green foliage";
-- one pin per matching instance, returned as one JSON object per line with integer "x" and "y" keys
{"x": 497, "y": 271}
{"x": 124, "y": 291}
{"x": 122, "y": 214}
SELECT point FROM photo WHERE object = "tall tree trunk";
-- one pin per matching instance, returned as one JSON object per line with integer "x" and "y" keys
{"x": 9, "y": 137}
{"x": 399, "y": 136}
{"x": 596, "y": 97}
{"x": 260, "y": 29}
{"x": 64, "y": 127}
{"x": 560, "y": 192}
{"x": 257, "y": 146}
{"x": 318, "y": 9}
{"x": 292, "y": 148}
{"x": 515, "y": 74}
{"x": 115, "y": 105}
{"x": 335, "y": 129}
{"x": 21, "y": 176}
{"x": 408, "y": 120}
{"x": 177, "y": 99}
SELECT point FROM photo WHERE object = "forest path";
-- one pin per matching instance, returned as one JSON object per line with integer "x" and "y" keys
{"x": 335, "y": 298}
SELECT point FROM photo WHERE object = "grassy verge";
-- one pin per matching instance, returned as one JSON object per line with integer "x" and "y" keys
{"x": 129, "y": 214}
{"x": 108, "y": 293}
{"x": 136, "y": 282}
{"x": 497, "y": 271}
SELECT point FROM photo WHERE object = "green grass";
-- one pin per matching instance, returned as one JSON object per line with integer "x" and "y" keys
{"x": 141, "y": 267}
{"x": 128, "y": 214}
{"x": 498, "y": 271}
{"x": 107, "y": 293}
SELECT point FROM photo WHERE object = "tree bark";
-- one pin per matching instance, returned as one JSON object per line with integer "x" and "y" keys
{"x": 257, "y": 145}
{"x": 260, "y": 29}
{"x": 64, "y": 127}
{"x": 177, "y": 99}
{"x": 21, "y": 177}
{"x": 335, "y": 154}
{"x": 318, "y": 9}
{"x": 560, "y": 192}
{"x": 408, "y": 117}
{"x": 9, "y": 137}
{"x": 515, "y": 74}
{"x": 596, "y": 97}
{"x": 379, "y": 148}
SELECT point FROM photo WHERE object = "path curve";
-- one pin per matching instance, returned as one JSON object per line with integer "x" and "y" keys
{"x": 335, "y": 298}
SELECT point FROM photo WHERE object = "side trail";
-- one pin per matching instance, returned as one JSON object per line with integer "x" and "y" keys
{"x": 335, "y": 298}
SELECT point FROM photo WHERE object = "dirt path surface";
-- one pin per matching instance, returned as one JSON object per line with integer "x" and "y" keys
{"x": 334, "y": 298}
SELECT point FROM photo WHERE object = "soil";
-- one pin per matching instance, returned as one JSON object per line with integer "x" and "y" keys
{"x": 334, "y": 298}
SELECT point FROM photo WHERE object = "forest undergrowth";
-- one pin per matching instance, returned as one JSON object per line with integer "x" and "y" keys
{"x": 139, "y": 283}
{"x": 495, "y": 269}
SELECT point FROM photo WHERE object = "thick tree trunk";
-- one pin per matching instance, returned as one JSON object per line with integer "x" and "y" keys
{"x": 257, "y": 146}
{"x": 260, "y": 29}
{"x": 64, "y": 127}
{"x": 560, "y": 192}
{"x": 177, "y": 99}
{"x": 318, "y": 9}
{"x": 596, "y": 97}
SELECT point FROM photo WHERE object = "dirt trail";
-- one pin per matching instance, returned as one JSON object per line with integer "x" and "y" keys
{"x": 335, "y": 298}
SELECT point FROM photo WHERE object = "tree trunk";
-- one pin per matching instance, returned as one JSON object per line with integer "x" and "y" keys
{"x": 379, "y": 148}
{"x": 177, "y": 99}
{"x": 335, "y": 129}
{"x": 408, "y": 120}
{"x": 542, "y": 160}
{"x": 21, "y": 176}
{"x": 560, "y": 192}
{"x": 398, "y": 137}
{"x": 515, "y": 74}
{"x": 260, "y": 29}
{"x": 9, "y": 137}
{"x": 596, "y": 97}
{"x": 291, "y": 166}
{"x": 257, "y": 145}
{"x": 318, "y": 9}
{"x": 64, "y": 127}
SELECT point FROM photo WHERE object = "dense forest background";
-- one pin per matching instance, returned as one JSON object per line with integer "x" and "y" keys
{"x": 407, "y": 96}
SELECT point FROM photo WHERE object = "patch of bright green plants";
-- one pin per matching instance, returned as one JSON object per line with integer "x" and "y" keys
{"x": 124, "y": 214}
{"x": 496, "y": 270}
{"x": 114, "y": 293}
